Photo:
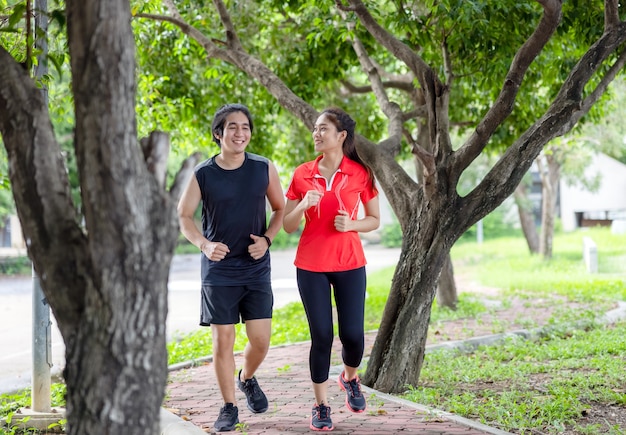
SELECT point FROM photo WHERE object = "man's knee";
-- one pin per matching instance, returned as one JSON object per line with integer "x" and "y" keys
{"x": 223, "y": 338}
{"x": 259, "y": 333}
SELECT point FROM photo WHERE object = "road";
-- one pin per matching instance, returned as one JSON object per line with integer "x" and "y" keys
{"x": 183, "y": 316}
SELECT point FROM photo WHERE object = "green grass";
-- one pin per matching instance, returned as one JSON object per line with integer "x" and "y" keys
{"x": 11, "y": 403}
{"x": 530, "y": 387}
{"x": 559, "y": 383}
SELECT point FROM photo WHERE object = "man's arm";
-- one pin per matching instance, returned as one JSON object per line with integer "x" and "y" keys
{"x": 186, "y": 210}
{"x": 276, "y": 198}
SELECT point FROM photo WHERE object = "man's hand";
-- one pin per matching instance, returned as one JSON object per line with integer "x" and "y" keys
{"x": 214, "y": 251}
{"x": 259, "y": 246}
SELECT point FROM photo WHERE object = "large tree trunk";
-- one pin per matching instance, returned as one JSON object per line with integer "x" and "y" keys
{"x": 398, "y": 353}
{"x": 104, "y": 273}
{"x": 526, "y": 217}
{"x": 446, "y": 286}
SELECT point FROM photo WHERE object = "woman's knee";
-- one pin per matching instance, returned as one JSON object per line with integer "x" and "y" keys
{"x": 322, "y": 338}
{"x": 353, "y": 340}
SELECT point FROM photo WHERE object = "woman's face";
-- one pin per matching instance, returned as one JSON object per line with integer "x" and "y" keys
{"x": 325, "y": 135}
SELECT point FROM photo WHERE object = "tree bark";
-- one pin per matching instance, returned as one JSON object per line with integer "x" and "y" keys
{"x": 104, "y": 274}
{"x": 447, "y": 295}
{"x": 526, "y": 217}
{"x": 550, "y": 172}
{"x": 446, "y": 286}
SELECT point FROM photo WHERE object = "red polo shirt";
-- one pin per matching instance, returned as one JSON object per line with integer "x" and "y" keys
{"x": 322, "y": 248}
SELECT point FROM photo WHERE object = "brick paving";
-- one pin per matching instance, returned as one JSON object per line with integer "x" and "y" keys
{"x": 192, "y": 394}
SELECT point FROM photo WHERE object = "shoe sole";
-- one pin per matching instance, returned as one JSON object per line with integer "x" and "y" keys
{"x": 227, "y": 428}
{"x": 351, "y": 409}
{"x": 257, "y": 411}
{"x": 321, "y": 429}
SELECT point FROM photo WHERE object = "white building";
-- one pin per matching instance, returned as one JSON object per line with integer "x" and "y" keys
{"x": 581, "y": 208}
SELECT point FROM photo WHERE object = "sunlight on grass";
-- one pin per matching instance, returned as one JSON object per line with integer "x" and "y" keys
{"x": 506, "y": 264}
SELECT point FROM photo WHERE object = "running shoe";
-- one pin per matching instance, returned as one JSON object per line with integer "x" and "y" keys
{"x": 257, "y": 402}
{"x": 228, "y": 418}
{"x": 355, "y": 401}
{"x": 320, "y": 418}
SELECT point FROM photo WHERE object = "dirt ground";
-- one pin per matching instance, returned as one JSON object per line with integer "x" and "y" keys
{"x": 521, "y": 313}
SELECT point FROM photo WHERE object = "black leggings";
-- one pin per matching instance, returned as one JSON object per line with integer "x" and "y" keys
{"x": 349, "y": 290}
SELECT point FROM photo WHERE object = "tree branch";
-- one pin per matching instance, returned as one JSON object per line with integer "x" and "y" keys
{"x": 426, "y": 159}
{"x": 231, "y": 33}
{"x": 209, "y": 45}
{"x": 392, "y": 84}
{"x": 183, "y": 176}
{"x": 396, "y": 47}
{"x": 42, "y": 194}
{"x": 503, "y": 105}
{"x": 567, "y": 106}
{"x": 611, "y": 14}
{"x": 237, "y": 56}
{"x": 601, "y": 88}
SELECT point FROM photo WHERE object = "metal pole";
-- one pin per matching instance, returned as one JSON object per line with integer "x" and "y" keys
{"x": 42, "y": 347}
{"x": 42, "y": 356}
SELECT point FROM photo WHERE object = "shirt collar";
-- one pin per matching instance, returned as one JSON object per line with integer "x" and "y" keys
{"x": 346, "y": 166}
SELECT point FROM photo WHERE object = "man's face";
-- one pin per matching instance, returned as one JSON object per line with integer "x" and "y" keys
{"x": 236, "y": 136}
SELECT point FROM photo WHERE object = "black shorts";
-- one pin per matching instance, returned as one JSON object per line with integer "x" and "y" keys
{"x": 228, "y": 305}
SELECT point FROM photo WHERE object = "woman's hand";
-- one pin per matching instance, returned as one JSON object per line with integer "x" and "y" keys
{"x": 311, "y": 199}
{"x": 343, "y": 223}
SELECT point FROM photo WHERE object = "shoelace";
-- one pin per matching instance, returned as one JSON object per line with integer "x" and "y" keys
{"x": 322, "y": 412}
{"x": 355, "y": 387}
{"x": 227, "y": 412}
{"x": 252, "y": 387}
{"x": 342, "y": 183}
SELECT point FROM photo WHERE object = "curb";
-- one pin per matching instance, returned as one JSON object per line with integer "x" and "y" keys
{"x": 173, "y": 425}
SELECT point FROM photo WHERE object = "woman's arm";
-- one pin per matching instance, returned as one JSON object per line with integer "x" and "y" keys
{"x": 369, "y": 222}
{"x": 294, "y": 211}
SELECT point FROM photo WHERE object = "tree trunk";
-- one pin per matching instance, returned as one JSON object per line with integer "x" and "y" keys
{"x": 398, "y": 353}
{"x": 446, "y": 290}
{"x": 104, "y": 274}
{"x": 550, "y": 172}
{"x": 446, "y": 287}
{"x": 526, "y": 217}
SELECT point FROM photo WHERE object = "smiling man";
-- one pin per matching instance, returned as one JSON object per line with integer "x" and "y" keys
{"x": 235, "y": 264}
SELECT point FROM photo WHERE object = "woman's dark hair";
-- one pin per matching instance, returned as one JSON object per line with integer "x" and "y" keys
{"x": 344, "y": 122}
{"x": 217, "y": 127}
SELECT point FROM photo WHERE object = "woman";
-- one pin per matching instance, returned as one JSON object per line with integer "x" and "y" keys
{"x": 327, "y": 192}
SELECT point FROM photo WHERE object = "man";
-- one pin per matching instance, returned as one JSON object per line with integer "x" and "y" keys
{"x": 235, "y": 239}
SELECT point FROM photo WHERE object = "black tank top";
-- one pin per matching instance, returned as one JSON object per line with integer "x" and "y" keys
{"x": 233, "y": 207}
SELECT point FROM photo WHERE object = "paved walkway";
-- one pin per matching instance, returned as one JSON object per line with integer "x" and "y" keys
{"x": 192, "y": 394}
